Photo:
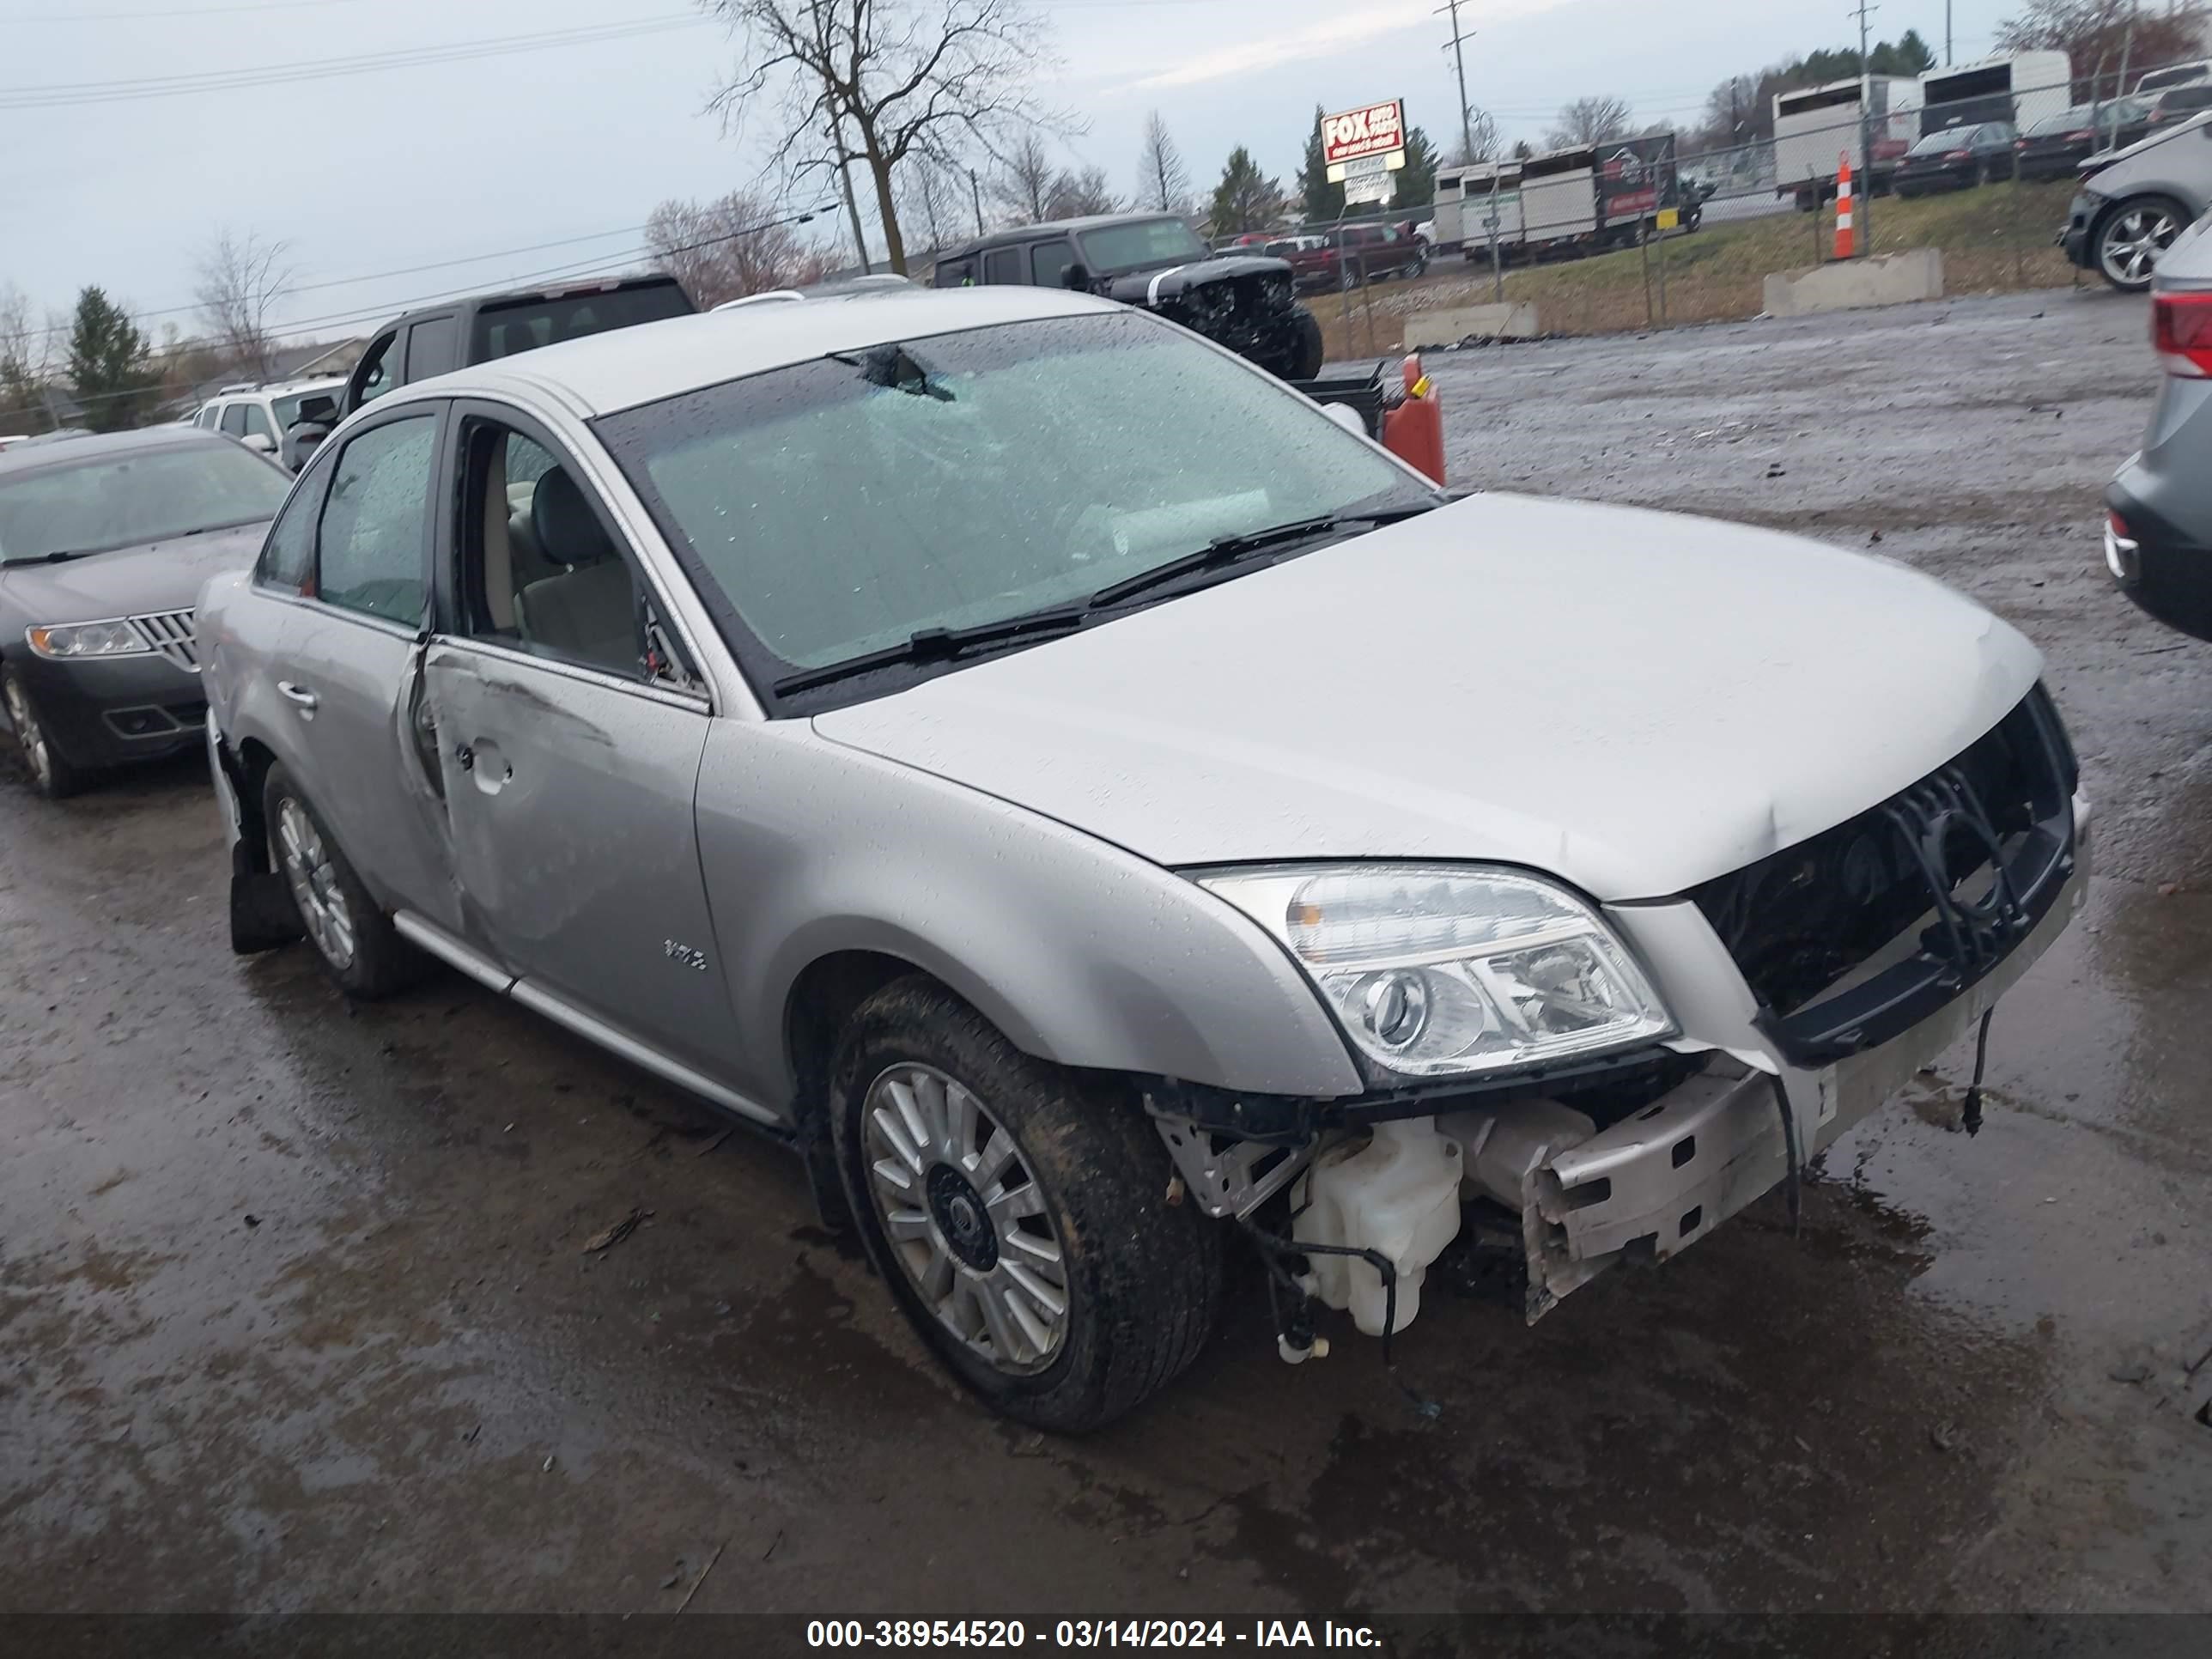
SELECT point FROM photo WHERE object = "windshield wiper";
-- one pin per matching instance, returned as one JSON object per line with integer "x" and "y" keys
{"x": 938, "y": 644}
{"x": 59, "y": 555}
{"x": 1223, "y": 551}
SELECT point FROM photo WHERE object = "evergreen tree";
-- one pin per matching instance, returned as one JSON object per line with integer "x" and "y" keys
{"x": 1417, "y": 180}
{"x": 1324, "y": 201}
{"x": 110, "y": 372}
{"x": 1246, "y": 199}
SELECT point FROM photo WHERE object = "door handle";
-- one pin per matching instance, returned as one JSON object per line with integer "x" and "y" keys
{"x": 465, "y": 756}
{"x": 298, "y": 694}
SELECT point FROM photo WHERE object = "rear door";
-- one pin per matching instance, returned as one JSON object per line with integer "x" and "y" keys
{"x": 353, "y": 656}
{"x": 570, "y": 731}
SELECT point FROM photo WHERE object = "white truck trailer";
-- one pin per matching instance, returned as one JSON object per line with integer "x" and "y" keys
{"x": 1815, "y": 126}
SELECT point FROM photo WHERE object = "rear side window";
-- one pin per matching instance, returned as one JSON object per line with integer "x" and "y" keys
{"x": 233, "y": 420}
{"x": 430, "y": 349}
{"x": 371, "y": 553}
{"x": 525, "y": 324}
{"x": 1003, "y": 265}
{"x": 954, "y": 273}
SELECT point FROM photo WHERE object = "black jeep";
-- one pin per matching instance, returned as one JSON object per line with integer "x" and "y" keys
{"x": 1244, "y": 302}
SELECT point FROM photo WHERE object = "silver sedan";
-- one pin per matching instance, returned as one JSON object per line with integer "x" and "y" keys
{"x": 1097, "y": 808}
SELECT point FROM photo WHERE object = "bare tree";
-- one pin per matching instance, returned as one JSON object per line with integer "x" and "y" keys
{"x": 2107, "y": 40}
{"x": 729, "y": 248}
{"x": 1162, "y": 181}
{"x": 1025, "y": 177}
{"x": 1482, "y": 129}
{"x": 1590, "y": 121}
{"x": 889, "y": 81}
{"x": 23, "y": 351}
{"x": 931, "y": 200}
{"x": 242, "y": 279}
{"x": 1076, "y": 193}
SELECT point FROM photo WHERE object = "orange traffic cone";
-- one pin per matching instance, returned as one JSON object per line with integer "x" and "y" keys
{"x": 1414, "y": 430}
{"x": 1846, "y": 237}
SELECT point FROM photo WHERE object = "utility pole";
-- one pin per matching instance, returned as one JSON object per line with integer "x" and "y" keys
{"x": 1947, "y": 33}
{"x": 1863, "y": 175}
{"x": 975, "y": 194}
{"x": 1459, "y": 59}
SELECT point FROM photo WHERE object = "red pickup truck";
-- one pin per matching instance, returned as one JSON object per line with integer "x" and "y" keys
{"x": 1372, "y": 251}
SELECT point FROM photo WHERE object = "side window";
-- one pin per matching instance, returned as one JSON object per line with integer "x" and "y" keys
{"x": 372, "y": 555}
{"x": 954, "y": 273}
{"x": 1048, "y": 261}
{"x": 288, "y": 552}
{"x": 256, "y": 419}
{"x": 430, "y": 349}
{"x": 379, "y": 368}
{"x": 208, "y": 416}
{"x": 1003, "y": 265}
{"x": 539, "y": 570}
{"x": 233, "y": 419}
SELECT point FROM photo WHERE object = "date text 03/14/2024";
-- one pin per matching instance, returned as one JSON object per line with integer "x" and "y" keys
{"x": 1082, "y": 1633}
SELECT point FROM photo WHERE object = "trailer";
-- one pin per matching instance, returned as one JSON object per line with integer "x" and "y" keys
{"x": 1475, "y": 204}
{"x": 1561, "y": 204}
{"x": 2021, "y": 87}
{"x": 1815, "y": 126}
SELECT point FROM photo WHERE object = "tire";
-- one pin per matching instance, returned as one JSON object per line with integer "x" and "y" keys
{"x": 1079, "y": 1188}
{"x": 1306, "y": 358}
{"x": 359, "y": 948}
{"x": 1419, "y": 269}
{"x": 51, "y": 773}
{"x": 2127, "y": 241}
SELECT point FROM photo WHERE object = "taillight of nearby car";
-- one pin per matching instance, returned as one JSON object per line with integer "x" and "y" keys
{"x": 2181, "y": 331}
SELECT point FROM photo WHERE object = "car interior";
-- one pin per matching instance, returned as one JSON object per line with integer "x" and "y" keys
{"x": 544, "y": 574}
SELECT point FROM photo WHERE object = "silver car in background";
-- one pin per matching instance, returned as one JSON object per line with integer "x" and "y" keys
{"x": 1096, "y": 807}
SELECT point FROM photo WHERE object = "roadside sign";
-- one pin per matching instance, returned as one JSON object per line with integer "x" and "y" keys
{"x": 1375, "y": 130}
{"x": 1379, "y": 187}
{"x": 1367, "y": 166}
{"x": 1670, "y": 218}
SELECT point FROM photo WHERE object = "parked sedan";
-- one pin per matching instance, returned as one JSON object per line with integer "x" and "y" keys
{"x": 2054, "y": 147}
{"x": 1958, "y": 158}
{"x": 1096, "y": 808}
{"x": 104, "y": 543}
{"x": 2158, "y": 525}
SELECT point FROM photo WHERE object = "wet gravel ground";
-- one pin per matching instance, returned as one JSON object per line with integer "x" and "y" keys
{"x": 295, "y": 1311}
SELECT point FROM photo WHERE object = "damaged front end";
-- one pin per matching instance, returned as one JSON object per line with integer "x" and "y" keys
{"x": 1247, "y": 304}
{"x": 1808, "y": 987}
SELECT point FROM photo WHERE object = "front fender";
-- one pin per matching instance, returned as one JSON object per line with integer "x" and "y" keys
{"x": 1080, "y": 952}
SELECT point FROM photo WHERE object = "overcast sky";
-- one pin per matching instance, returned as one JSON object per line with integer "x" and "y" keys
{"x": 476, "y": 160}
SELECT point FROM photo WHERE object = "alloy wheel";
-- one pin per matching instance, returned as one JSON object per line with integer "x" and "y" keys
{"x": 29, "y": 735}
{"x": 2132, "y": 243}
{"x": 964, "y": 1216}
{"x": 314, "y": 880}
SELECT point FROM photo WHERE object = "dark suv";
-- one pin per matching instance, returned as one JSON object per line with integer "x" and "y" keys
{"x": 1156, "y": 261}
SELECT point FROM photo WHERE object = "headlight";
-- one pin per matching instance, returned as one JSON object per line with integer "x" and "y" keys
{"x": 1451, "y": 971}
{"x": 92, "y": 639}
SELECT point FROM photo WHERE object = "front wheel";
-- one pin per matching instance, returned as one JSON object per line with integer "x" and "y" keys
{"x": 1018, "y": 1212}
{"x": 51, "y": 774}
{"x": 2131, "y": 238}
{"x": 1309, "y": 351}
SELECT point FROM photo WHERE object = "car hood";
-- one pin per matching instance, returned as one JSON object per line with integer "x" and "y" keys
{"x": 1634, "y": 701}
{"x": 2096, "y": 163}
{"x": 1155, "y": 284}
{"x": 165, "y": 575}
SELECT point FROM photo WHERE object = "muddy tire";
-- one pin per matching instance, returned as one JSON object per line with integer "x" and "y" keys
{"x": 359, "y": 947}
{"x": 1307, "y": 354}
{"x": 50, "y": 771}
{"x": 1018, "y": 1212}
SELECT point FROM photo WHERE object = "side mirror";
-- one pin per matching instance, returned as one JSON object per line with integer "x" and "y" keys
{"x": 303, "y": 436}
{"x": 1077, "y": 276}
{"x": 260, "y": 443}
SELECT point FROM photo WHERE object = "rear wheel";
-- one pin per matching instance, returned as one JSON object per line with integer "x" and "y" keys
{"x": 1018, "y": 1213}
{"x": 51, "y": 774}
{"x": 359, "y": 948}
{"x": 1306, "y": 357}
{"x": 2131, "y": 238}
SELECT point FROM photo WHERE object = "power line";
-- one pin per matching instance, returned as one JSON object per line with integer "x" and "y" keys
{"x": 72, "y": 94}
{"x": 13, "y": 18}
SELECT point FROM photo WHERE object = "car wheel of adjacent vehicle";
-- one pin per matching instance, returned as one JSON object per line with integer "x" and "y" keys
{"x": 354, "y": 937}
{"x": 2132, "y": 236}
{"x": 51, "y": 774}
{"x": 1419, "y": 269}
{"x": 1306, "y": 360}
{"x": 1018, "y": 1212}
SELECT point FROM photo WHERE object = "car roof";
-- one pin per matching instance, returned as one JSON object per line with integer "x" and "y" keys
{"x": 471, "y": 303}
{"x": 1058, "y": 227}
{"x": 622, "y": 367}
{"x": 36, "y": 458}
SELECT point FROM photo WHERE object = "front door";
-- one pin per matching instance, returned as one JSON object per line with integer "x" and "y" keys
{"x": 569, "y": 741}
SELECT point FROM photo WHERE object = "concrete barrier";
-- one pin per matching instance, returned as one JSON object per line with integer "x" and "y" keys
{"x": 1450, "y": 325}
{"x": 1887, "y": 279}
